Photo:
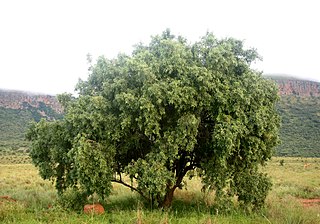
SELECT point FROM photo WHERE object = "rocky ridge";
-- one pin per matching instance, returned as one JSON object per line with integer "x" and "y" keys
{"x": 23, "y": 100}
{"x": 297, "y": 87}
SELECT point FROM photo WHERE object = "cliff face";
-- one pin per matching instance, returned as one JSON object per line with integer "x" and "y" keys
{"x": 299, "y": 108}
{"x": 22, "y": 100}
{"x": 17, "y": 110}
{"x": 302, "y": 88}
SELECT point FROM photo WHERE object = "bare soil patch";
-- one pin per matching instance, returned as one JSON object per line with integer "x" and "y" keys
{"x": 4, "y": 199}
{"x": 310, "y": 202}
{"x": 7, "y": 198}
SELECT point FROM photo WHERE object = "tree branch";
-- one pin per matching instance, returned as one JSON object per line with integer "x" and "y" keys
{"x": 129, "y": 186}
{"x": 182, "y": 174}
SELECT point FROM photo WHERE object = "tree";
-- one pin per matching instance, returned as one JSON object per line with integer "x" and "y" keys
{"x": 168, "y": 110}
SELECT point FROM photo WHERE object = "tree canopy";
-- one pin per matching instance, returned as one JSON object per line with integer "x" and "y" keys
{"x": 169, "y": 110}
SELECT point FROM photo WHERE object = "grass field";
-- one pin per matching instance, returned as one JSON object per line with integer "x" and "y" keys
{"x": 26, "y": 198}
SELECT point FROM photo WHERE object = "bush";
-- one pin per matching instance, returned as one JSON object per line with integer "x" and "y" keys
{"x": 73, "y": 199}
{"x": 252, "y": 190}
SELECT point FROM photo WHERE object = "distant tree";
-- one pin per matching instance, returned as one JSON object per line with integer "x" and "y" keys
{"x": 168, "y": 110}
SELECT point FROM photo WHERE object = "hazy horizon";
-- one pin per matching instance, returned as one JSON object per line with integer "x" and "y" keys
{"x": 54, "y": 94}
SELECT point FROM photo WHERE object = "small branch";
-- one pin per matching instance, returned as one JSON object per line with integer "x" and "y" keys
{"x": 187, "y": 168}
{"x": 182, "y": 174}
{"x": 129, "y": 186}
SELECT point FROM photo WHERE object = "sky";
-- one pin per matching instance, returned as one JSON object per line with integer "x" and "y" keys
{"x": 44, "y": 43}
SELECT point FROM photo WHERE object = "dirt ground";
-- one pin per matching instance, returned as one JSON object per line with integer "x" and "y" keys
{"x": 310, "y": 202}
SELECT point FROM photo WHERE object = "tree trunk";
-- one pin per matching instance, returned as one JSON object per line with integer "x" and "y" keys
{"x": 166, "y": 203}
{"x": 168, "y": 198}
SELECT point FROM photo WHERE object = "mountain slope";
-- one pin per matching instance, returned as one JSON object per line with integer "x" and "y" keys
{"x": 17, "y": 110}
{"x": 299, "y": 108}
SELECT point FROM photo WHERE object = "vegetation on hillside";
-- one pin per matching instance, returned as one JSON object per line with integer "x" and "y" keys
{"x": 300, "y": 131}
{"x": 13, "y": 128}
{"x": 299, "y": 108}
{"x": 15, "y": 122}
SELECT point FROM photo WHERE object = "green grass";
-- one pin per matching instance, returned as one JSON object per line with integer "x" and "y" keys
{"x": 298, "y": 177}
{"x": 36, "y": 200}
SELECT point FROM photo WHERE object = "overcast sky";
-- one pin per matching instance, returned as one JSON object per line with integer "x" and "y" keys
{"x": 43, "y": 44}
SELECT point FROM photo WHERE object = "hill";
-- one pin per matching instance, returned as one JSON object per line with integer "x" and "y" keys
{"x": 17, "y": 110}
{"x": 299, "y": 108}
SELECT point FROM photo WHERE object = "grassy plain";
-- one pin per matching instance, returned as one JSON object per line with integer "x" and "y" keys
{"x": 26, "y": 198}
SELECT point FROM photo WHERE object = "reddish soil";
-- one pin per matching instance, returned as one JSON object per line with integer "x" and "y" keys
{"x": 310, "y": 202}
{"x": 7, "y": 198}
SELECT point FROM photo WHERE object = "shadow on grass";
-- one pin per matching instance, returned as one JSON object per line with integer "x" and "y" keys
{"x": 180, "y": 207}
{"x": 123, "y": 203}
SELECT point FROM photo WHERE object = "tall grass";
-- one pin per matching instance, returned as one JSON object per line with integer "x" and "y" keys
{"x": 36, "y": 200}
{"x": 298, "y": 177}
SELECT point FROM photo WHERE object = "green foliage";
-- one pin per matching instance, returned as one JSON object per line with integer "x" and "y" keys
{"x": 300, "y": 129}
{"x": 94, "y": 163}
{"x": 169, "y": 108}
{"x": 73, "y": 200}
{"x": 49, "y": 152}
{"x": 252, "y": 189}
